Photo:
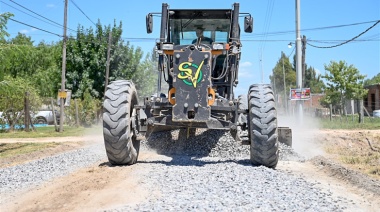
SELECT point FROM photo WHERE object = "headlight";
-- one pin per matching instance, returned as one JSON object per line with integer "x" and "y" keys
{"x": 218, "y": 46}
{"x": 167, "y": 46}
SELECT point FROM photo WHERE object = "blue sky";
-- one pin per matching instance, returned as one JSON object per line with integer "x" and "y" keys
{"x": 270, "y": 16}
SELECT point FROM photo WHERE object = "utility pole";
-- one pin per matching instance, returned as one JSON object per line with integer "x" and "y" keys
{"x": 298, "y": 61}
{"x": 283, "y": 73}
{"x": 303, "y": 60}
{"x": 62, "y": 101}
{"x": 26, "y": 112}
{"x": 108, "y": 61}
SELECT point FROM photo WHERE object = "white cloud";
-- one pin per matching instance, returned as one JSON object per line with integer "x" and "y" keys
{"x": 27, "y": 31}
{"x": 24, "y": 31}
{"x": 50, "y": 5}
{"x": 246, "y": 64}
{"x": 245, "y": 69}
{"x": 317, "y": 71}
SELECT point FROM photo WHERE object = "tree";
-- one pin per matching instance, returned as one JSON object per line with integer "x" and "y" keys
{"x": 3, "y": 25}
{"x": 21, "y": 39}
{"x": 12, "y": 93}
{"x": 146, "y": 77}
{"x": 313, "y": 80}
{"x": 374, "y": 80}
{"x": 86, "y": 61}
{"x": 277, "y": 77}
{"x": 344, "y": 82}
{"x": 47, "y": 77}
{"x": 19, "y": 58}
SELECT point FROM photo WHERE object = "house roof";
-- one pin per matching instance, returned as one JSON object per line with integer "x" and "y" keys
{"x": 372, "y": 86}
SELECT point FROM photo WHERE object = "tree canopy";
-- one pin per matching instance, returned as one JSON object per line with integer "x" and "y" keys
{"x": 3, "y": 25}
{"x": 87, "y": 56}
{"x": 373, "y": 80}
{"x": 277, "y": 77}
{"x": 343, "y": 82}
{"x": 38, "y": 66}
{"x": 312, "y": 78}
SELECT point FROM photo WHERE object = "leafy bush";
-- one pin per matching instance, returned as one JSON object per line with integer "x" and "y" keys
{"x": 87, "y": 110}
{"x": 12, "y": 98}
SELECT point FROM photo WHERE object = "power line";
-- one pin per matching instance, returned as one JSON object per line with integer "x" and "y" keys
{"x": 309, "y": 29}
{"x": 340, "y": 41}
{"x": 142, "y": 39}
{"x": 267, "y": 21}
{"x": 36, "y": 17}
{"x": 38, "y": 14}
{"x": 82, "y": 11}
{"x": 34, "y": 27}
{"x": 27, "y": 13}
{"x": 318, "y": 41}
{"x": 327, "y": 47}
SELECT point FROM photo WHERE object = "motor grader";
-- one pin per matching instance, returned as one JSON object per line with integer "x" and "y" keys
{"x": 200, "y": 79}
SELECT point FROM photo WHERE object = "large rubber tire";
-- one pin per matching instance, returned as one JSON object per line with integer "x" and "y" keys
{"x": 243, "y": 105}
{"x": 40, "y": 120}
{"x": 118, "y": 117}
{"x": 262, "y": 126}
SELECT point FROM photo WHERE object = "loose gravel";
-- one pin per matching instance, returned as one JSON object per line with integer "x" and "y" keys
{"x": 30, "y": 175}
{"x": 211, "y": 172}
{"x": 189, "y": 184}
{"x": 206, "y": 172}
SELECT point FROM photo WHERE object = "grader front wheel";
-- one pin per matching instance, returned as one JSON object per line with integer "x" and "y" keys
{"x": 118, "y": 114}
{"x": 262, "y": 123}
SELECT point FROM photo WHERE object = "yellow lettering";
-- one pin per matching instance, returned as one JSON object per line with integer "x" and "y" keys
{"x": 187, "y": 71}
{"x": 187, "y": 74}
{"x": 194, "y": 80}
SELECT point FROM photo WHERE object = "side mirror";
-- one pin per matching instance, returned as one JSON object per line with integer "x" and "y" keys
{"x": 248, "y": 24}
{"x": 149, "y": 23}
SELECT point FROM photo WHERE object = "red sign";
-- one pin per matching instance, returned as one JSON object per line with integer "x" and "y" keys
{"x": 300, "y": 94}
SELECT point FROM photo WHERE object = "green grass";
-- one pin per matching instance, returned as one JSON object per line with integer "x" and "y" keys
{"x": 346, "y": 122}
{"x": 8, "y": 150}
{"x": 351, "y": 159}
{"x": 49, "y": 131}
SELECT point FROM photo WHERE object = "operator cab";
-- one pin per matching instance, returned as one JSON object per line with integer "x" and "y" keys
{"x": 186, "y": 26}
{"x": 214, "y": 31}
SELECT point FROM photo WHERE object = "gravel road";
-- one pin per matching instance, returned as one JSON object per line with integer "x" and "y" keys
{"x": 30, "y": 175}
{"x": 218, "y": 176}
{"x": 207, "y": 172}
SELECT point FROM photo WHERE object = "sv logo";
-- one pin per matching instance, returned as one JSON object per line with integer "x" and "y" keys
{"x": 186, "y": 73}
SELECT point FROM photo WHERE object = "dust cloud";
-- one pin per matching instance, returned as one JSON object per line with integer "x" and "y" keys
{"x": 305, "y": 133}
{"x": 93, "y": 134}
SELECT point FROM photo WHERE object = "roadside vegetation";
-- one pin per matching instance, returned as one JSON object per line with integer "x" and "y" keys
{"x": 350, "y": 123}
{"x": 14, "y": 149}
{"x": 8, "y": 150}
{"x": 352, "y": 144}
{"x": 359, "y": 150}
{"x": 49, "y": 131}
{"x": 35, "y": 67}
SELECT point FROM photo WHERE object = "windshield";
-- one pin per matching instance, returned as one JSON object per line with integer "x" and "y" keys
{"x": 184, "y": 31}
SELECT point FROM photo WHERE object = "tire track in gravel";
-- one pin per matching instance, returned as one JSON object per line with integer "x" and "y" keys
{"x": 91, "y": 189}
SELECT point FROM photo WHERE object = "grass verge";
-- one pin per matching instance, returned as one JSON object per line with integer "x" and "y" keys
{"x": 357, "y": 154}
{"x": 49, "y": 131}
{"x": 13, "y": 149}
{"x": 350, "y": 122}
